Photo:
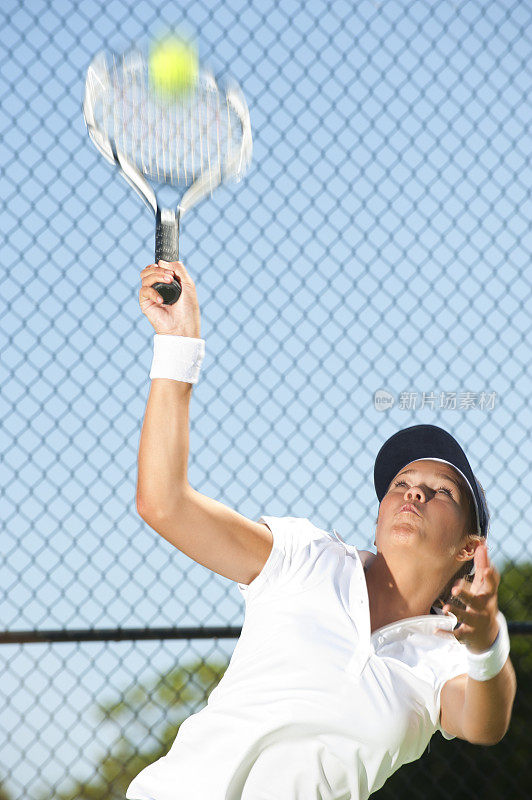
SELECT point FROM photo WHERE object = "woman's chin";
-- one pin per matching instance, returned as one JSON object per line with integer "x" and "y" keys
{"x": 404, "y": 529}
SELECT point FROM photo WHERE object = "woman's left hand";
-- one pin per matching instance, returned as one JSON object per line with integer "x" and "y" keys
{"x": 479, "y": 626}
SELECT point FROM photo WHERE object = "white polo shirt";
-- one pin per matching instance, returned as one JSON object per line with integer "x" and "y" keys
{"x": 312, "y": 705}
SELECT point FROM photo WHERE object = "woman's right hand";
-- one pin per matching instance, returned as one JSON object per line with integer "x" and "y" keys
{"x": 182, "y": 318}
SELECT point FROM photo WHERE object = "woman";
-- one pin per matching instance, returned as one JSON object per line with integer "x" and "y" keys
{"x": 346, "y": 664}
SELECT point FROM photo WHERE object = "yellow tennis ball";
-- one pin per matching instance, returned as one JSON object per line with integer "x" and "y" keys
{"x": 173, "y": 66}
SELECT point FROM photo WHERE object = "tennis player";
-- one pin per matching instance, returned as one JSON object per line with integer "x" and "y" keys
{"x": 348, "y": 660}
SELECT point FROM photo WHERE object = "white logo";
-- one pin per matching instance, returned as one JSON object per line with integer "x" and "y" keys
{"x": 383, "y": 400}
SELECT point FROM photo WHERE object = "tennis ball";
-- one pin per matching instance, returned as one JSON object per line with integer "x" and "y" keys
{"x": 173, "y": 66}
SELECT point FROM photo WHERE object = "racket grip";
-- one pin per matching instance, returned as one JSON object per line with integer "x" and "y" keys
{"x": 167, "y": 249}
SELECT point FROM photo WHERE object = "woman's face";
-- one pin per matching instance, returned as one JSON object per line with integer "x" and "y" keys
{"x": 438, "y": 518}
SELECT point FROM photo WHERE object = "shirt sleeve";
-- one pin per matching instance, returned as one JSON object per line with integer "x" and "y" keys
{"x": 453, "y": 661}
{"x": 297, "y": 544}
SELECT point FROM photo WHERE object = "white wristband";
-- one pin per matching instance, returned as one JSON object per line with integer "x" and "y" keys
{"x": 177, "y": 357}
{"x": 483, "y": 666}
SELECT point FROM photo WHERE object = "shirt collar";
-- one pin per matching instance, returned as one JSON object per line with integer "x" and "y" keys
{"x": 425, "y": 623}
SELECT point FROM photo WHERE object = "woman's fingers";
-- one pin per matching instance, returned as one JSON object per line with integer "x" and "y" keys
{"x": 153, "y": 274}
{"x": 179, "y": 269}
{"x": 182, "y": 318}
{"x": 148, "y": 296}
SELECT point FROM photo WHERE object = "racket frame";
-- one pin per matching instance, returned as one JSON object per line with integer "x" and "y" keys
{"x": 167, "y": 220}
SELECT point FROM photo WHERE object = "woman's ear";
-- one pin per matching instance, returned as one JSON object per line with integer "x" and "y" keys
{"x": 471, "y": 545}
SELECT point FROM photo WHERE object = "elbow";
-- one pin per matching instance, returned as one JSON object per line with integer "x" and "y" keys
{"x": 145, "y": 510}
{"x": 484, "y": 742}
{"x": 488, "y": 740}
{"x": 496, "y": 740}
{"x": 140, "y": 506}
{"x": 502, "y": 734}
{"x": 158, "y": 510}
{"x": 493, "y": 742}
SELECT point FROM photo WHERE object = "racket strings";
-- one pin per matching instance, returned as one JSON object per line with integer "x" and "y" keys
{"x": 176, "y": 142}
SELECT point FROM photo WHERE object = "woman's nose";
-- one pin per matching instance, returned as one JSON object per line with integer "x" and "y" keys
{"x": 414, "y": 491}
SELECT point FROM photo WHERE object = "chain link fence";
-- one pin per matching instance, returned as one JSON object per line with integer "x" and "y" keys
{"x": 371, "y": 272}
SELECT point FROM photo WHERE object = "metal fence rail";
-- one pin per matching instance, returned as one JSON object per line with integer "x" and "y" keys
{"x": 372, "y": 271}
{"x": 137, "y": 634}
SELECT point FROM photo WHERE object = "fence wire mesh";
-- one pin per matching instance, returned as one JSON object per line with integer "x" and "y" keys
{"x": 372, "y": 271}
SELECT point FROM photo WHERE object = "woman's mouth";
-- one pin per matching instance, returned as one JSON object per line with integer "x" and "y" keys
{"x": 410, "y": 508}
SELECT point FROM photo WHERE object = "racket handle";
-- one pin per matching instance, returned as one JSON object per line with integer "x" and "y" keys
{"x": 167, "y": 249}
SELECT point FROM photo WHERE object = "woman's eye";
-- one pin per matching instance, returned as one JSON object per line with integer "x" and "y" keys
{"x": 444, "y": 489}
{"x": 440, "y": 488}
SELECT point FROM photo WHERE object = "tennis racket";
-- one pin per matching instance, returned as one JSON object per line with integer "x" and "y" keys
{"x": 193, "y": 142}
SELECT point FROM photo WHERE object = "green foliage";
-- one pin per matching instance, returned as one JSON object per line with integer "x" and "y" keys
{"x": 458, "y": 769}
{"x": 151, "y": 716}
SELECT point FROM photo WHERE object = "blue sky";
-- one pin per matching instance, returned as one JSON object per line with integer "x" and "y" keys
{"x": 380, "y": 241}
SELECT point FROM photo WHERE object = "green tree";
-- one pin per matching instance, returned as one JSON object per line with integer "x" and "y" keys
{"x": 458, "y": 769}
{"x": 151, "y": 716}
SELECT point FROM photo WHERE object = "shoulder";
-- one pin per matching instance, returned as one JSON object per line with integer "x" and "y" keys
{"x": 292, "y": 535}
